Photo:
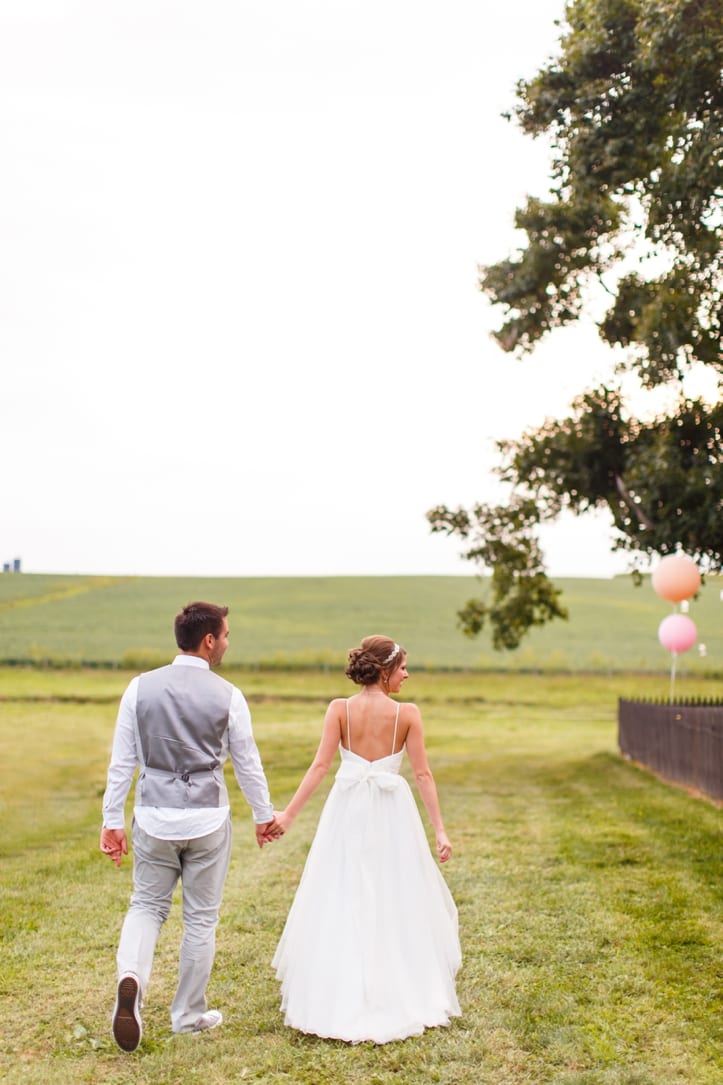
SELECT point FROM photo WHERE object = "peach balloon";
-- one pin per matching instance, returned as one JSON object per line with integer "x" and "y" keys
{"x": 677, "y": 633}
{"x": 676, "y": 578}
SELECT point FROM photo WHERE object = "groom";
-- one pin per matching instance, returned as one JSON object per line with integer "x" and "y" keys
{"x": 178, "y": 724}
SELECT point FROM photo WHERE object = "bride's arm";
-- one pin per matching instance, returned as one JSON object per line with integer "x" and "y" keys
{"x": 318, "y": 768}
{"x": 417, "y": 755}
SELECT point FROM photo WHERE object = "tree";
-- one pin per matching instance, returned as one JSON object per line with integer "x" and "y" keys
{"x": 633, "y": 107}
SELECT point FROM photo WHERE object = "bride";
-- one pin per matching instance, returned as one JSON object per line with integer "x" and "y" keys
{"x": 370, "y": 948}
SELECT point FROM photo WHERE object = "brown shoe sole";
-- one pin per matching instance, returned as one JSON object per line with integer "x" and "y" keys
{"x": 126, "y": 1022}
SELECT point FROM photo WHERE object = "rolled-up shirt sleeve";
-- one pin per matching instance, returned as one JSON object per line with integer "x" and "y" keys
{"x": 246, "y": 759}
{"x": 123, "y": 760}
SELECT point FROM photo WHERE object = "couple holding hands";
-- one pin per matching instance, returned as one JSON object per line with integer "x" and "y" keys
{"x": 370, "y": 948}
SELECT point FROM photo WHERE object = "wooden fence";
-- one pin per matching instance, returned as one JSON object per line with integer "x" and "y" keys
{"x": 681, "y": 742}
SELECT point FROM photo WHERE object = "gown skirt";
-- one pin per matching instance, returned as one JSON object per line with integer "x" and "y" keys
{"x": 371, "y": 947}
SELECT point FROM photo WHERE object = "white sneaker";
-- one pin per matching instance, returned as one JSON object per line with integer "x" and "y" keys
{"x": 127, "y": 1026}
{"x": 206, "y": 1021}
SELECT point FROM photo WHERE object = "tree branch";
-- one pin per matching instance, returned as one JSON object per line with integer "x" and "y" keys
{"x": 640, "y": 516}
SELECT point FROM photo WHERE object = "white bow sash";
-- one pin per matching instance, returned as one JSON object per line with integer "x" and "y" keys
{"x": 351, "y": 774}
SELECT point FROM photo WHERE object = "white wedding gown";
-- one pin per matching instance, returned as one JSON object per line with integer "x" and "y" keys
{"x": 370, "y": 948}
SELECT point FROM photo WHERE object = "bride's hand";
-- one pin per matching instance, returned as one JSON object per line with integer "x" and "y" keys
{"x": 283, "y": 820}
{"x": 444, "y": 848}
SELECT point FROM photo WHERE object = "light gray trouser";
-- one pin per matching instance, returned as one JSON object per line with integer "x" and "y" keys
{"x": 202, "y": 865}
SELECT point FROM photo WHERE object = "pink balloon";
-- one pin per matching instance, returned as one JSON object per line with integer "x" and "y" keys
{"x": 676, "y": 578}
{"x": 677, "y": 633}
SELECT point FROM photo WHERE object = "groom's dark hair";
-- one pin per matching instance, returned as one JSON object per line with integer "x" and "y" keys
{"x": 195, "y": 621}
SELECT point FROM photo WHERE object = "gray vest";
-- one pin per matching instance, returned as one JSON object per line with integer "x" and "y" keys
{"x": 182, "y": 714}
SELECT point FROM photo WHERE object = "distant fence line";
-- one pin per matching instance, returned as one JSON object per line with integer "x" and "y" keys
{"x": 681, "y": 741}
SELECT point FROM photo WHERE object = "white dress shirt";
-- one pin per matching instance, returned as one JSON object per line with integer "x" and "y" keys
{"x": 168, "y": 823}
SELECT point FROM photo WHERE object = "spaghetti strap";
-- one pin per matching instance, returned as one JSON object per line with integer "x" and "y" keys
{"x": 396, "y": 721}
{"x": 348, "y": 727}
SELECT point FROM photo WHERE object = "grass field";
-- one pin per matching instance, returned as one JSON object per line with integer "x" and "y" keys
{"x": 312, "y": 621}
{"x": 589, "y": 896}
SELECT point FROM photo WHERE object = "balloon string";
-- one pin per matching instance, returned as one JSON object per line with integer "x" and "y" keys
{"x": 672, "y": 675}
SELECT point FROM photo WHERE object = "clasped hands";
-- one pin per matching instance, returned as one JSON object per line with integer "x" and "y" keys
{"x": 268, "y": 831}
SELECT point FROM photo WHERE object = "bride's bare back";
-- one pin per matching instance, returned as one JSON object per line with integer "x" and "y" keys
{"x": 372, "y": 725}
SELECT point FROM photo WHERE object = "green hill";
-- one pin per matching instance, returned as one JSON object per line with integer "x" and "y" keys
{"x": 312, "y": 621}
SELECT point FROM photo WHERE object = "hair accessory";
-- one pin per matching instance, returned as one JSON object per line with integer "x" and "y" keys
{"x": 391, "y": 655}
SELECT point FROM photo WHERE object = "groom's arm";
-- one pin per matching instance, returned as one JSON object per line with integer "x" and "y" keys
{"x": 247, "y": 767}
{"x": 122, "y": 767}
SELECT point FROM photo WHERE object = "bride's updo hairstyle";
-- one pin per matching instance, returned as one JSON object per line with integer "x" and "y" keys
{"x": 374, "y": 659}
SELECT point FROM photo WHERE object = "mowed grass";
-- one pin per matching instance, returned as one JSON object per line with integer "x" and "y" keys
{"x": 313, "y": 621}
{"x": 589, "y": 896}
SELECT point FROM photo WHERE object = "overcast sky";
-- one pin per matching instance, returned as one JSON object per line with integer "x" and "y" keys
{"x": 240, "y": 326}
